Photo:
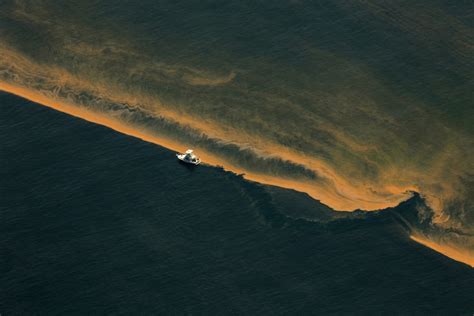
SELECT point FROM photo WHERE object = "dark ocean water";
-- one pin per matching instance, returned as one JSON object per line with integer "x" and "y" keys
{"x": 93, "y": 221}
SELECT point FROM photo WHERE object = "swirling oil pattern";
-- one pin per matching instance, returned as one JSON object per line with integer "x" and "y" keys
{"x": 357, "y": 103}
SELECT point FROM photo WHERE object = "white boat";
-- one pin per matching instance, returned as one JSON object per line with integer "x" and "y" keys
{"x": 189, "y": 157}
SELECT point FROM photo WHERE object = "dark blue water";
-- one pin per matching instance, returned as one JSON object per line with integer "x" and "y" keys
{"x": 93, "y": 221}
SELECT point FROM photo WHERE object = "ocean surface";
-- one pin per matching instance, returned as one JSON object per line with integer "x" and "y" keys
{"x": 94, "y": 221}
{"x": 337, "y": 136}
{"x": 357, "y": 103}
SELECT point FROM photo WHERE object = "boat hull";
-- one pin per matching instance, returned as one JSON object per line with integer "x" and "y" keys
{"x": 184, "y": 160}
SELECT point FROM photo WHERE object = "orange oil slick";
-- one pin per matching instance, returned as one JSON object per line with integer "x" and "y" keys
{"x": 446, "y": 250}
